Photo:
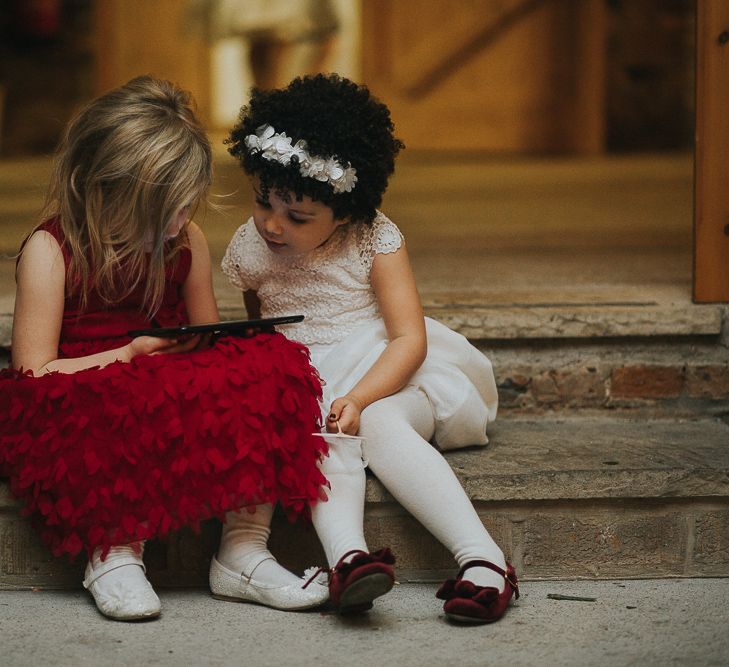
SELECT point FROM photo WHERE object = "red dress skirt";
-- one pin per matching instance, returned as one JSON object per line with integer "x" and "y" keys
{"x": 131, "y": 451}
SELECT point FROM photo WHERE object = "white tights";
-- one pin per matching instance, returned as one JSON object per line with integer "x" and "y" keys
{"x": 397, "y": 430}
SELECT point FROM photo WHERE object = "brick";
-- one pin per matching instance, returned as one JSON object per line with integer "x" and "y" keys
{"x": 513, "y": 390}
{"x": 707, "y": 381}
{"x": 577, "y": 387}
{"x": 604, "y": 544}
{"x": 544, "y": 389}
{"x": 646, "y": 382}
{"x": 295, "y": 545}
{"x": 711, "y": 544}
{"x": 6, "y": 498}
{"x": 26, "y": 562}
{"x": 416, "y": 549}
{"x": 183, "y": 559}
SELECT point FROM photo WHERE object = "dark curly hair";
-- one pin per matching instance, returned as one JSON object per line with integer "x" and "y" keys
{"x": 336, "y": 118}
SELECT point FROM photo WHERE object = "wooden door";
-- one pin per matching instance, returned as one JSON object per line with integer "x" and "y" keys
{"x": 711, "y": 188}
{"x": 135, "y": 37}
{"x": 501, "y": 75}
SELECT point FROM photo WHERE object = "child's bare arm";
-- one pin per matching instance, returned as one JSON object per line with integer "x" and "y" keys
{"x": 39, "y": 313}
{"x": 252, "y": 304}
{"x": 397, "y": 296}
{"x": 40, "y": 278}
{"x": 198, "y": 288}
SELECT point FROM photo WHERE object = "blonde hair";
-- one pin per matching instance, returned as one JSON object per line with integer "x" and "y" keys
{"x": 128, "y": 162}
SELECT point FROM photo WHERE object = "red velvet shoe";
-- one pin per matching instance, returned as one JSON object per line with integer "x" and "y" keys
{"x": 468, "y": 603}
{"x": 353, "y": 585}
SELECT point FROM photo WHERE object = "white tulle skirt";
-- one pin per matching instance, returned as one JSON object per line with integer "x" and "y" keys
{"x": 456, "y": 377}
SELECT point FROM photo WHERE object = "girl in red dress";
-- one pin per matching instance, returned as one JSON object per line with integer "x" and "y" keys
{"x": 111, "y": 440}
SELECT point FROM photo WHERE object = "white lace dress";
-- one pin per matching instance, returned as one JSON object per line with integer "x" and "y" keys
{"x": 343, "y": 328}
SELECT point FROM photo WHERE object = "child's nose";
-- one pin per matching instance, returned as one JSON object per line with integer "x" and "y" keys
{"x": 273, "y": 224}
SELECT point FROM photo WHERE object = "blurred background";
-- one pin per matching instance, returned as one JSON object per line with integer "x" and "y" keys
{"x": 549, "y": 142}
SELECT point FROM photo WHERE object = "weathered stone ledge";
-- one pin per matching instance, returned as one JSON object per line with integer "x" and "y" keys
{"x": 579, "y": 321}
{"x": 528, "y": 322}
{"x": 594, "y": 458}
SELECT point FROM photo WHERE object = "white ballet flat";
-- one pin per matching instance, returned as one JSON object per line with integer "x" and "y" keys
{"x": 233, "y": 586}
{"x": 119, "y": 585}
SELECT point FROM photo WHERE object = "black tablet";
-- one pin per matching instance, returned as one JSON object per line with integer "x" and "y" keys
{"x": 231, "y": 327}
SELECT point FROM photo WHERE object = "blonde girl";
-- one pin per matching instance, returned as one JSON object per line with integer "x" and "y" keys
{"x": 111, "y": 440}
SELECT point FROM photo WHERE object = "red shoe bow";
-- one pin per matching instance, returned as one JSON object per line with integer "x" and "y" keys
{"x": 468, "y": 603}
{"x": 354, "y": 584}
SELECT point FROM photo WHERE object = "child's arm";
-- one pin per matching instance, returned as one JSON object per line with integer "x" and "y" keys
{"x": 39, "y": 313}
{"x": 397, "y": 296}
{"x": 198, "y": 288}
{"x": 252, "y": 304}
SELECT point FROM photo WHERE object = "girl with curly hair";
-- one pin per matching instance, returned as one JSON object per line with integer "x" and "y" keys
{"x": 319, "y": 154}
{"x": 111, "y": 440}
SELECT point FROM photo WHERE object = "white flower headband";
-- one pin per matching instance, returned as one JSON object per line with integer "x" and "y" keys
{"x": 278, "y": 148}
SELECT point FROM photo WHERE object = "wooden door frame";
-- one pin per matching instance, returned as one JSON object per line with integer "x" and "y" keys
{"x": 711, "y": 171}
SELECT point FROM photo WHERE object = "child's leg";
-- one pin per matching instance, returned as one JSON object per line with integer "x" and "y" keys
{"x": 338, "y": 521}
{"x": 244, "y": 568}
{"x": 244, "y": 547}
{"x": 396, "y": 429}
{"x": 356, "y": 578}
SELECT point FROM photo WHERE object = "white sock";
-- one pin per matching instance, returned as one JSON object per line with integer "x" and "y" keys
{"x": 396, "y": 431}
{"x": 244, "y": 547}
{"x": 339, "y": 520}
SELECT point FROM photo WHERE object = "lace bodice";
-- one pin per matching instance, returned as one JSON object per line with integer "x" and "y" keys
{"x": 330, "y": 285}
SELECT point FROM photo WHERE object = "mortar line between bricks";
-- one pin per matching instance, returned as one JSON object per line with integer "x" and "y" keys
{"x": 517, "y": 543}
{"x": 691, "y": 518}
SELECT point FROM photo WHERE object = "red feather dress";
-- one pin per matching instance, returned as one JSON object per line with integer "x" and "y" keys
{"x": 131, "y": 451}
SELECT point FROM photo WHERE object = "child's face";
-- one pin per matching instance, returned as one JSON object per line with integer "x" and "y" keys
{"x": 173, "y": 229}
{"x": 179, "y": 221}
{"x": 292, "y": 227}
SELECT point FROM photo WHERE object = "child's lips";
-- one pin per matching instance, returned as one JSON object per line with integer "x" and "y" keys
{"x": 274, "y": 245}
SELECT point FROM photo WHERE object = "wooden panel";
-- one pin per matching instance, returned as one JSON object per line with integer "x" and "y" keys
{"x": 135, "y": 37}
{"x": 503, "y": 75}
{"x": 711, "y": 221}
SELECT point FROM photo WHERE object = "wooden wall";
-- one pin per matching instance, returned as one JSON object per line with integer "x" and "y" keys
{"x": 711, "y": 215}
{"x": 135, "y": 37}
{"x": 502, "y": 75}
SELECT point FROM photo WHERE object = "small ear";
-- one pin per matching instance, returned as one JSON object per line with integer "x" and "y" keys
{"x": 341, "y": 221}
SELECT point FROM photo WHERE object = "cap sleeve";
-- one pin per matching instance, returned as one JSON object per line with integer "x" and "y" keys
{"x": 237, "y": 264}
{"x": 381, "y": 237}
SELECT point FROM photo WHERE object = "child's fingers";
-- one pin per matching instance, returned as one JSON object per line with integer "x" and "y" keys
{"x": 158, "y": 345}
{"x": 335, "y": 412}
{"x": 343, "y": 415}
{"x": 349, "y": 423}
{"x": 185, "y": 345}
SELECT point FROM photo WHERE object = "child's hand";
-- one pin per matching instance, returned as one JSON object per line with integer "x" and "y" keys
{"x": 345, "y": 410}
{"x": 154, "y": 345}
{"x": 186, "y": 344}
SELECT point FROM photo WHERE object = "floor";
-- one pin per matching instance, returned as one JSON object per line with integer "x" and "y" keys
{"x": 656, "y": 623}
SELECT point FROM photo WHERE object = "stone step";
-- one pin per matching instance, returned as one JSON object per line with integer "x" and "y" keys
{"x": 590, "y": 497}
